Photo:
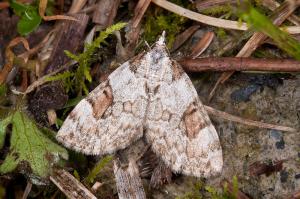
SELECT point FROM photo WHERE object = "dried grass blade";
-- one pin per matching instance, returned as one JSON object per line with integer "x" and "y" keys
{"x": 249, "y": 122}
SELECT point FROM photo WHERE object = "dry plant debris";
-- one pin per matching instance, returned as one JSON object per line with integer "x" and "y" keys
{"x": 53, "y": 53}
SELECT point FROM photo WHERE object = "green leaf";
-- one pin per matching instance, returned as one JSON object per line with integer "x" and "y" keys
{"x": 30, "y": 18}
{"x": 30, "y": 147}
{"x": 18, "y": 8}
{"x": 98, "y": 167}
{"x": 29, "y": 22}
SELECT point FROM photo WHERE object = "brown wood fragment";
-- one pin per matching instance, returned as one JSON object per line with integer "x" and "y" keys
{"x": 70, "y": 186}
{"x": 77, "y": 6}
{"x": 129, "y": 183}
{"x": 139, "y": 11}
{"x": 230, "y": 189}
{"x": 183, "y": 37}
{"x": 258, "y": 168}
{"x": 69, "y": 37}
{"x": 132, "y": 37}
{"x": 105, "y": 12}
{"x": 24, "y": 83}
{"x": 202, "y": 44}
{"x": 239, "y": 64}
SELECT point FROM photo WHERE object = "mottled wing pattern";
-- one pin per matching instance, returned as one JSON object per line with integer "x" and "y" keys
{"x": 180, "y": 130}
{"x": 110, "y": 117}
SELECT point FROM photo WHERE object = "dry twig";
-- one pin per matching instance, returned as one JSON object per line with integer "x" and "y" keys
{"x": 70, "y": 186}
{"x": 222, "y": 64}
{"x": 139, "y": 11}
{"x": 27, "y": 190}
{"x": 105, "y": 12}
{"x": 249, "y": 122}
{"x": 42, "y": 9}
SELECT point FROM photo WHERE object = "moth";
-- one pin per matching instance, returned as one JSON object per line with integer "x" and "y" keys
{"x": 148, "y": 96}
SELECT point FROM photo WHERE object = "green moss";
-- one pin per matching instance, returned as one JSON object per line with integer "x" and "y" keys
{"x": 158, "y": 20}
{"x": 200, "y": 191}
{"x": 218, "y": 10}
{"x": 195, "y": 193}
{"x": 221, "y": 33}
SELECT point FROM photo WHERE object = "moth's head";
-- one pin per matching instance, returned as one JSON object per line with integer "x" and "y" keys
{"x": 159, "y": 51}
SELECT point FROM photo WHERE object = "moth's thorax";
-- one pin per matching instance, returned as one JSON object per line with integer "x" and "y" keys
{"x": 155, "y": 66}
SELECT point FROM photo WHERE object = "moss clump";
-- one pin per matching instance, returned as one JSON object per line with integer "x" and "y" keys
{"x": 158, "y": 20}
{"x": 200, "y": 191}
{"x": 218, "y": 10}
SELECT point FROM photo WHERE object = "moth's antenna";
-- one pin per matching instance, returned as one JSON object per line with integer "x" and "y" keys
{"x": 149, "y": 47}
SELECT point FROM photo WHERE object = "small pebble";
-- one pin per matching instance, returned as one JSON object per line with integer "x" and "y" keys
{"x": 297, "y": 176}
{"x": 284, "y": 176}
{"x": 276, "y": 134}
{"x": 243, "y": 94}
{"x": 280, "y": 144}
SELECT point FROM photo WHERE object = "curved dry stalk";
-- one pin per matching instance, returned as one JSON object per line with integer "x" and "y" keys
{"x": 42, "y": 10}
{"x": 249, "y": 122}
{"x": 9, "y": 55}
{"x": 221, "y": 23}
